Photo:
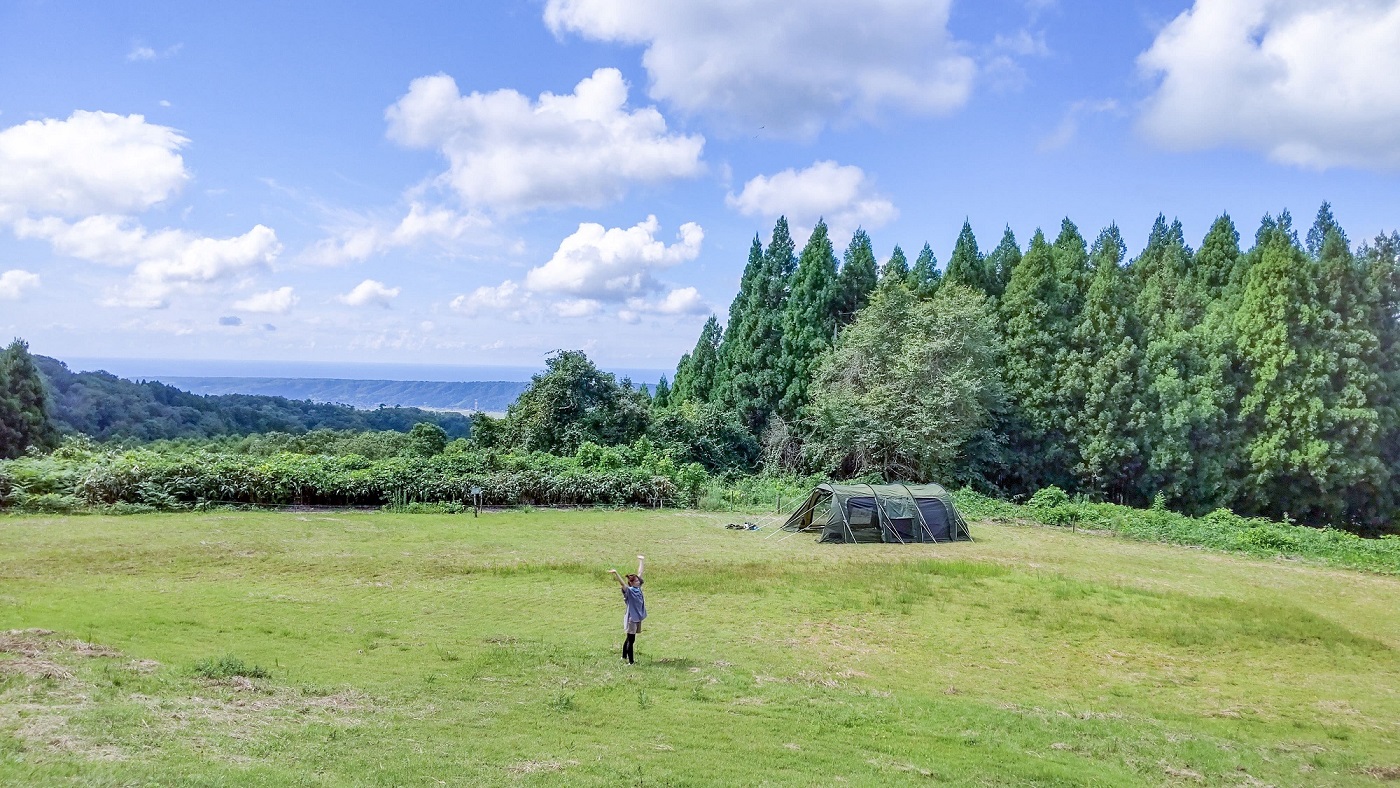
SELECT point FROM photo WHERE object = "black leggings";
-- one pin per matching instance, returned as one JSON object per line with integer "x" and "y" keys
{"x": 627, "y": 646}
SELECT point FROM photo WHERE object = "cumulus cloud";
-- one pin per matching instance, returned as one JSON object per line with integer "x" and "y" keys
{"x": 681, "y": 301}
{"x": 422, "y": 225}
{"x": 1310, "y": 84}
{"x": 273, "y": 302}
{"x": 93, "y": 162}
{"x": 78, "y": 184}
{"x": 231, "y": 321}
{"x": 506, "y": 300}
{"x": 13, "y": 284}
{"x": 613, "y": 264}
{"x": 369, "y": 292}
{"x": 594, "y": 268}
{"x": 162, "y": 261}
{"x": 789, "y": 68}
{"x": 842, "y": 194}
{"x": 509, "y": 153}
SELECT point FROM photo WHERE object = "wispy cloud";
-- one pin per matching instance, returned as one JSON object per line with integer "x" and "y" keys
{"x": 141, "y": 53}
{"x": 1068, "y": 129}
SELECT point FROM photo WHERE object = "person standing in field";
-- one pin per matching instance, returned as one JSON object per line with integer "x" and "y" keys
{"x": 636, "y": 608}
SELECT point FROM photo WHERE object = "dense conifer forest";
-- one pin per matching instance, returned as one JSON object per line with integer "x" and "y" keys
{"x": 1259, "y": 377}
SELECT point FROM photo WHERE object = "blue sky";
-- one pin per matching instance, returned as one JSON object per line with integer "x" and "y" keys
{"x": 339, "y": 182}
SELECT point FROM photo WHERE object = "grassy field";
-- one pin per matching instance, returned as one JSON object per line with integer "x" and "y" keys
{"x": 441, "y": 650}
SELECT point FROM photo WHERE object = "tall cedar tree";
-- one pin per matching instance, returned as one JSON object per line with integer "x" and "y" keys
{"x": 695, "y": 375}
{"x": 966, "y": 267}
{"x": 740, "y": 324}
{"x": 1104, "y": 377}
{"x": 1001, "y": 262}
{"x": 751, "y": 381}
{"x": 1037, "y": 327}
{"x": 1354, "y": 395}
{"x": 809, "y": 321}
{"x": 1382, "y": 266}
{"x": 1283, "y": 349}
{"x": 1216, "y": 277}
{"x": 24, "y": 414}
{"x": 925, "y": 277}
{"x": 858, "y": 277}
{"x": 662, "y": 397}
{"x": 896, "y": 269}
{"x": 1178, "y": 416}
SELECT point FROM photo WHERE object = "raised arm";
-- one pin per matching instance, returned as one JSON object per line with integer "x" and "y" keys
{"x": 617, "y": 577}
{"x": 641, "y": 559}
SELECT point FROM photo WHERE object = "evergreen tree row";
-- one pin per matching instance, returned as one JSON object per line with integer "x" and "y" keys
{"x": 1264, "y": 380}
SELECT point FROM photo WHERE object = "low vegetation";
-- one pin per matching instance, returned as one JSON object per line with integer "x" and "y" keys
{"x": 426, "y": 649}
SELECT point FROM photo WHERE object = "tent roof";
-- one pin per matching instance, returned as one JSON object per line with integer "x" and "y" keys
{"x": 882, "y": 490}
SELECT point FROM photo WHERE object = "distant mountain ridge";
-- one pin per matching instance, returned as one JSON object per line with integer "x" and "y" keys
{"x": 492, "y": 396}
{"x": 106, "y": 407}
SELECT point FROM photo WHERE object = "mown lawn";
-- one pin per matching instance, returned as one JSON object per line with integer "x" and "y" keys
{"x": 443, "y": 650}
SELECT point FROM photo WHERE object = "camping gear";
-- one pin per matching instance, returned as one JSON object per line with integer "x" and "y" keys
{"x": 899, "y": 513}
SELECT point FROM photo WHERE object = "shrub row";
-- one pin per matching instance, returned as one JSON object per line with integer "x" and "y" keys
{"x": 1219, "y": 530}
{"x": 148, "y": 480}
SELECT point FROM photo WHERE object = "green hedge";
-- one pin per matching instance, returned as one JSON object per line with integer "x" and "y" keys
{"x": 1219, "y": 530}
{"x": 141, "y": 480}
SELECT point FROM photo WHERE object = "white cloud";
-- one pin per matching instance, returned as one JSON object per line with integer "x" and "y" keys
{"x": 162, "y": 261}
{"x": 1068, "y": 129}
{"x": 509, "y": 153}
{"x": 93, "y": 162}
{"x": 790, "y": 68}
{"x": 140, "y": 53}
{"x": 365, "y": 238}
{"x": 613, "y": 264}
{"x": 78, "y": 183}
{"x": 370, "y": 292}
{"x": 593, "y": 269}
{"x": 1309, "y": 83}
{"x": 14, "y": 283}
{"x": 843, "y": 195}
{"x": 273, "y": 302}
{"x": 681, "y": 301}
{"x": 506, "y": 300}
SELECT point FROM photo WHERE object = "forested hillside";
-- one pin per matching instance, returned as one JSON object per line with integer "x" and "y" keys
{"x": 104, "y": 406}
{"x": 1262, "y": 379}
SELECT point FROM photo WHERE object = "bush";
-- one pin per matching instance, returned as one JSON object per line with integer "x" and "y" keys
{"x": 227, "y": 667}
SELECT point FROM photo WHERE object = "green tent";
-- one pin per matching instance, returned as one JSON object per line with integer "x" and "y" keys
{"x": 899, "y": 513}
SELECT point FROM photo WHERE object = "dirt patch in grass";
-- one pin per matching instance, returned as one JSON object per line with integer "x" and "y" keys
{"x": 1387, "y": 773}
{"x": 43, "y": 709}
{"x": 534, "y": 767}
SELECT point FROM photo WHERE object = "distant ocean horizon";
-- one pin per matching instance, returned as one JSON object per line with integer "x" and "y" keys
{"x": 156, "y": 369}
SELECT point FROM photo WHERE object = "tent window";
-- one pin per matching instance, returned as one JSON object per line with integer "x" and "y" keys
{"x": 936, "y": 517}
{"x": 860, "y": 512}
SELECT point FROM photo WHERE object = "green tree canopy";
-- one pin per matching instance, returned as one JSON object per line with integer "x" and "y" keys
{"x": 809, "y": 320}
{"x": 896, "y": 269}
{"x": 24, "y": 410}
{"x": 925, "y": 277}
{"x": 572, "y": 402}
{"x": 750, "y": 378}
{"x": 857, "y": 278}
{"x": 695, "y": 375}
{"x": 909, "y": 385}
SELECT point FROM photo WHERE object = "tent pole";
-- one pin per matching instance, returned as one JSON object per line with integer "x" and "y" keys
{"x": 881, "y": 510}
